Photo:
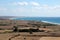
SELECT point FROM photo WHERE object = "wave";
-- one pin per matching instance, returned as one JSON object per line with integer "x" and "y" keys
{"x": 51, "y": 22}
{"x": 42, "y": 19}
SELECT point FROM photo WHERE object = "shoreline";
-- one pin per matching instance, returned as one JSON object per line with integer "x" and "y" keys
{"x": 37, "y": 20}
{"x": 51, "y": 22}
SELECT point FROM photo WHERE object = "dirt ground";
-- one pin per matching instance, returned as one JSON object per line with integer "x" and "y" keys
{"x": 16, "y": 36}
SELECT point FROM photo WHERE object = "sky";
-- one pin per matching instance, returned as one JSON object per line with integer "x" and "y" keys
{"x": 30, "y": 8}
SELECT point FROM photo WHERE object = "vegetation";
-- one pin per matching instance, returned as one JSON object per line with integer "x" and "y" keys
{"x": 48, "y": 24}
{"x": 4, "y": 24}
{"x": 1, "y": 29}
{"x": 15, "y": 28}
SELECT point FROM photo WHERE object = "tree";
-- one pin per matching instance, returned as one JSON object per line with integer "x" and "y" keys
{"x": 44, "y": 26}
{"x": 15, "y": 28}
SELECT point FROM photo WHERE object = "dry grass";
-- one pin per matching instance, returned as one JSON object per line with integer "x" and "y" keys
{"x": 50, "y": 38}
{"x": 23, "y": 37}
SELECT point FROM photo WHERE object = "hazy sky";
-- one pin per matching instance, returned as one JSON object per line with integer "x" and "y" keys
{"x": 31, "y": 8}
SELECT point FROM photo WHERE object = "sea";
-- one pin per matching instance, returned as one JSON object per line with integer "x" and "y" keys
{"x": 53, "y": 20}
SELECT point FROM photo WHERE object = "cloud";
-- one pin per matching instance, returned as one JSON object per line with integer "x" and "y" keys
{"x": 35, "y": 4}
{"x": 45, "y": 6}
{"x": 20, "y": 10}
{"x": 26, "y": 3}
{"x": 34, "y": 8}
{"x": 46, "y": 9}
{"x": 21, "y": 3}
{"x": 3, "y": 9}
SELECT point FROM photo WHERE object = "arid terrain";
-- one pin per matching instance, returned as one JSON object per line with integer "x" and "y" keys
{"x": 16, "y": 36}
{"x": 43, "y": 31}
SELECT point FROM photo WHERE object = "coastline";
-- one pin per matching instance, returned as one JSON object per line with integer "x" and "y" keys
{"x": 51, "y": 22}
{"x": 30, "y": 19}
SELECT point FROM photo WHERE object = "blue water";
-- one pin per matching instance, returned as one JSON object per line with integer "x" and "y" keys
{"x": 46, "y": 19}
